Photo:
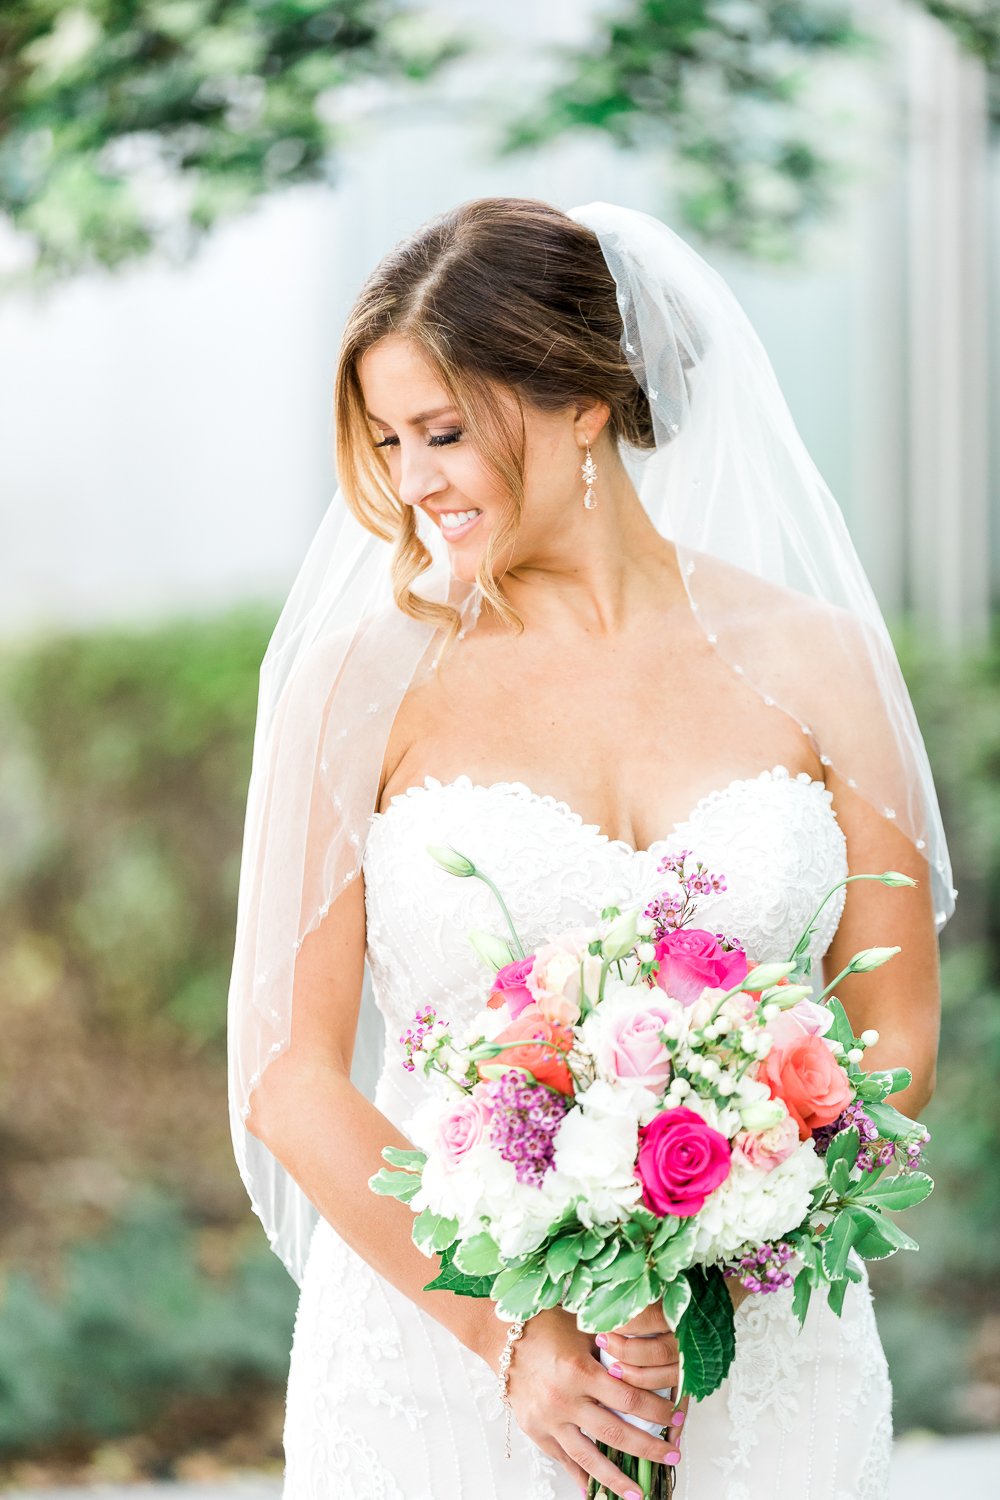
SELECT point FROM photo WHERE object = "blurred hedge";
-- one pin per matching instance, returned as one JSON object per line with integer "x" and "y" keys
{"x": 124, "y": 760}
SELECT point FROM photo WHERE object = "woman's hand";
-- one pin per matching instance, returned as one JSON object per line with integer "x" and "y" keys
{"x": 565, "y": 1400}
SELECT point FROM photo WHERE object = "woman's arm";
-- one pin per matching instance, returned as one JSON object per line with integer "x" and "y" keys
{"x": 329, "y": 1137}
{"x": 902, "y": 999}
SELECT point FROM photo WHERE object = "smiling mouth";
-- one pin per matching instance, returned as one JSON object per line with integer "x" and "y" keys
{"x": 458, "y": 522}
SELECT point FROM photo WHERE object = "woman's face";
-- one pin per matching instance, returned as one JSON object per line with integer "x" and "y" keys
{"x": 434, "y": 466}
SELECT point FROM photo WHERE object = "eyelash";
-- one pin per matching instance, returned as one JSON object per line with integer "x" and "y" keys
{"x": 438, "y": 441}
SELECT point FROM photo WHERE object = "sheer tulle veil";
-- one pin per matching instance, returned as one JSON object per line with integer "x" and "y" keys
{"x": 731, "y": 484}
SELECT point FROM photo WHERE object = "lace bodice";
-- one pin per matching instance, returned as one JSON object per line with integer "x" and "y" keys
{"x": 774, "y": 836}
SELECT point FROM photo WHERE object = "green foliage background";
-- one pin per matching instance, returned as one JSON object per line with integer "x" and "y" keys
{"x": 134, "y": 1280}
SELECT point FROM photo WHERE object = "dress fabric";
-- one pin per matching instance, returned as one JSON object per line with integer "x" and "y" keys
{"x": 383, "y": 1402}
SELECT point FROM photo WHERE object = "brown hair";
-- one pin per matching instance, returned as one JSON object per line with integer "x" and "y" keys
{"x": 496, "y": 292}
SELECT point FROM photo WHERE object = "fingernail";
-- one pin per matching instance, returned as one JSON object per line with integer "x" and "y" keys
{"x": 632, "y": 1495}
{"x": 673, "y": 1456}
{"x": 601, "y": 1341}
{"x": 677, "y": 1420}
{"x": 615, "y": 1369}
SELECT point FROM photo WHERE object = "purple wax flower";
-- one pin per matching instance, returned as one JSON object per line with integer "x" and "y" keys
{"x": 525, "y": 1118}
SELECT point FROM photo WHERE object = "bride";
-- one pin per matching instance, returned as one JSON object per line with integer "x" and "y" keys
{"x": 618, "y": 616}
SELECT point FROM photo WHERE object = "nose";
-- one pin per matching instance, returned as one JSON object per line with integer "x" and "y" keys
{"x": 419, "y": 475}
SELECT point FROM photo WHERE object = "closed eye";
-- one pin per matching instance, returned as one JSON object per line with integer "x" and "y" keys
{"x": 437, "y": 441}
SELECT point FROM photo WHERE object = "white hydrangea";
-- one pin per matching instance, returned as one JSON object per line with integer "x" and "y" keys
{"x": 595, "y": 1151}
{"x": 756, "y": 1206}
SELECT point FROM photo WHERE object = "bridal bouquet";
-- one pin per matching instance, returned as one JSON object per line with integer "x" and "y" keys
{"x": 640, "y": 1111}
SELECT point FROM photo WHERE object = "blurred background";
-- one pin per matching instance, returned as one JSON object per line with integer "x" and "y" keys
{"x": 191, "y": 193}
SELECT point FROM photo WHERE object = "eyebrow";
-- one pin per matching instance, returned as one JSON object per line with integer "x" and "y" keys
{"x": 423, "y": 416}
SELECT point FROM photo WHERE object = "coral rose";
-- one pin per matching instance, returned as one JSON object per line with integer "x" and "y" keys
{"x": 806, "y": 1076}
{"x": 538, "y": 1044}
{"x": 681, "y": 1160}
{"x": 691, "y": 960}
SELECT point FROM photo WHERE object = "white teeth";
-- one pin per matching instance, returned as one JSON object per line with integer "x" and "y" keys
{"x": 457, "y": 517}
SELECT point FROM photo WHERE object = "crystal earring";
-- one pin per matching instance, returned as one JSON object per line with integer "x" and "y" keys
{"x": 589, "y": 474}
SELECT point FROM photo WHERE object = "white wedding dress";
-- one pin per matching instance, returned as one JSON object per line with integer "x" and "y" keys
{"x": 383, "y": 1402}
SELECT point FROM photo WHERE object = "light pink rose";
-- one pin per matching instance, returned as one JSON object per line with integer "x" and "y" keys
{"x": 805, "y": 1019}
{"x": 691, "y": 960}
{"x": 554, "y": 978}
{"x": 463, "y": 1127}
{"x": 632, "y": 1050}
{"x": 764, "y": 1149}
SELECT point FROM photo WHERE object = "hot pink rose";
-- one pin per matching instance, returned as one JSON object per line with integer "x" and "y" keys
{"x": 681, "y": 1160}
{"x": 631, "y": 1048}
{"x": 691, "y": 960}
{"x": 807, "y": 1077}
{"x": 462, "y": 1127}
{"x": 510, "y": 989}
{"x": 764, "y": 1149}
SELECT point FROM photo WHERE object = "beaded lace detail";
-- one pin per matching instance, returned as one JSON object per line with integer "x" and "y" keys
{"x": 384, "y": 1403}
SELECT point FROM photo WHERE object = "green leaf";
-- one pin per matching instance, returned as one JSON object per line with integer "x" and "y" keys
{"x": 706, "y": 1334}
{"x": 626, "y": 1266}
{"x": 400, "y": 1158}
{"x": 563, "y": 1255}
{"x": 899, "y": 1078}
{"x": 801, "y": 1293}
{"x": 837, "y": 1242}
{"x": 887, "y": 1228}
{"x": 840, "y": 1177}
{"x": 675, "y": 1300}
{"x": 892, "y": 1124}
{"x": 402, "y": 1185}
{"x": 835, "y": 1295}
{"x": 606, "y": 1254}
{"x": 579, "y": 1287}
{"x": 433, "y": 1231}
{"x": 478, "y": 1256}
{"x": 450, "y": 1279}
{"x": 844, "y": 1147}
{"x": 841, "y": 1030}
{"x": 675, "y": 1255}
{"x": 611, "y": 1305}
{"x": 898, "y": 1192}
{"x": 517, "y": 1288}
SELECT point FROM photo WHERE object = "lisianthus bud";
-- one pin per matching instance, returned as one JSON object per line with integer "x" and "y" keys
{"x": 765, "y": 975}
{"x": 492, "y": 950}
{"x": 871, "y": 958}
{"x": 449, "y": 859}
{"x": 620, "y": 936}
{"x": 762, "y": 1114}
{"x": 786, "y": 995}
{"x": 895, "y": 877}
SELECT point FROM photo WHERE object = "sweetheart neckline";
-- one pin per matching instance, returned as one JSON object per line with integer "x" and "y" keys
{"x": 548, "y": 799}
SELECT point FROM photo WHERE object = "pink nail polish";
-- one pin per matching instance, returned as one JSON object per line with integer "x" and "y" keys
{"x": 632, "y": 1495}
{"x": 615, "y": 1369}
{"x": 673, "y": 1457}
{"x": 677, "y": 1420}
{"x": 601, "y": 1341}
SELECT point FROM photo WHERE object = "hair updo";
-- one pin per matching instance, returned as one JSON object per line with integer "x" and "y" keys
{"x": 496, "y": 292}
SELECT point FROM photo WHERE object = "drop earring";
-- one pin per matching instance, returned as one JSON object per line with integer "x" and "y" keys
{"x": 589, "y": 474}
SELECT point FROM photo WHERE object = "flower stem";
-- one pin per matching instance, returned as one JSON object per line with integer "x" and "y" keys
{"x": 503, "y": 907}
